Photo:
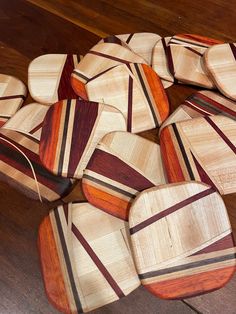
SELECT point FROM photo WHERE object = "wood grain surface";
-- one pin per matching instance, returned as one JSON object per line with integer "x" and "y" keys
{"x": 122, "y": 165}
{"x": 195, "y": 253}
{"x": 36, "y": 27}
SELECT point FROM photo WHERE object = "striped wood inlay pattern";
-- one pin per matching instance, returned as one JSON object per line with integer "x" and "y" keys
{"x": 134, "y": 89}
{"x": 12, "y": 95}
{"x": 49, "y": 77}
{"x": 121, "y": 166}
{"x": 85, "y": 266}
{"x": 220, "y": 62}
{"x": 100, "y": 58}
{"x": 201, "y": 149}
{"x": 202, "y": 103}
{"x": 71, "y": 131}
{"x": 182, "y": 240}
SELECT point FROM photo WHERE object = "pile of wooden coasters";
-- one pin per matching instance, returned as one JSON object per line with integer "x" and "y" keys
{"x": 154, "y": 214}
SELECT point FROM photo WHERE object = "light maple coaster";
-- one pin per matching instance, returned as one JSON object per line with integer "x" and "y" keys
{"x": 182, "y": 240}
{"x": 140, "y": 43}
{"x": 49, "y": 77}
{"x": 201, "y": 149}
{"x": 220, "y": 61}
{"x": 134, "y": 89}
{"x": 20, "y": 165}
{"x": 12, "y": 95}
{"x": 202, "y": 103}
{"x": 100, "y": 58}
{"x": 85, "y": 257}
{"x": 71, "y": 131}
{"x": 121, "y": 166}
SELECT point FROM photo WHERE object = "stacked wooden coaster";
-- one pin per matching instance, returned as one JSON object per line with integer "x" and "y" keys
{"x": 154, "y": 214}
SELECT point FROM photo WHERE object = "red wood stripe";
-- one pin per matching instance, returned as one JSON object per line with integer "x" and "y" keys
{"x": 221, "y": 134}
{"x": 86, "y": 114}
{"x": 108, "y": 56}
{"x": 97, "y": 262}
{"x": 130, "y": 104}
{"x": 39, "y": 126}
{"x": 12, "y": 97}
{"x": 203, "y": 175}
{"x": 65, "y": 90}
{"x": 233, "y": 49}
{"x": 114, "y": 168}
{"x": 226, "y": 243}
{"x": 171, "y": 210}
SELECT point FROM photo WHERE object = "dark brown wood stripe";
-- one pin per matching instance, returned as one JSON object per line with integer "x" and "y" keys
{"x": 136, "y": 65}
{"x": 193, "y": 43}
{"x": 225, "y": 243}
{"x": 108, "y": 56}
{"x": 97, "y": 262}
{"x": 196, "y": 264}
{"x": 66, "y": 211}
{"x": 114, "y": 168}
{"x": 194, "y": 51}
{"x": 112, "y": 187}
{"x": 99, "y": 74}
{"x": 13, "y": 97}
{"x": 182, "y": 149}
{"x": 80, "y": 75}
{"x": 86, "y": 113}
{"x": 68, "y": 263}
{"x": 171, "y": 210}
{"x": 169, "y": 60}
{"x": 130, "y": 104}
{"x": 39, "y": 126}
{"x": 233, "y": 49}
{"x": 129, "y": 38}
{"x": 203, "y": 175}
{"x": 221, "y": 134}
{"x": 112, "y": 39}
{"x": 65, "y": 90}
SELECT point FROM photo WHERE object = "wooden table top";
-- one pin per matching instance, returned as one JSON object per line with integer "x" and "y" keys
{"x": 36, "y": 27}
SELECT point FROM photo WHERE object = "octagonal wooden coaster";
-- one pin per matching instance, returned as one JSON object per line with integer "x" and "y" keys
{"x": 12, "y": 95}
{"x": 49, "y": 77}
{"x": 29, "y": 120}
{"x": 71, "y": 131}
{"x": 134, "y": 89}
{"x": 202, "y": 149}
{"x": 184, "y": 55}
{"x": 140, "y": 43}
{"x": 85, "y": 257}
{"x": 100, "y": 58}
{"x": 202, "y": 103}
{"x": 220, "y": 61}
{"x": 122, "y": 165}
{"x": 182, "y": 240}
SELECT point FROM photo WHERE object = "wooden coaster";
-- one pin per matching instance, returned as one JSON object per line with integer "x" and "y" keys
{"x": 160, "y": 62}
{"x": 28, "y": 120}
{"x": 122, "y": 165}
{"x": 12, "y": 95}
{"x": 202, "y": 103}
{"x": 140, "y": 43}
{"x": 220, "y": 62}
{"x": 201, "y": 149}
{"x": 184, "y": 55}
{"x": 71, "y": 131}
{"x": 100, "y": 58}
{"x": 182, "y": 240}
{"x": 134, "y": 89}
{"x": 85, "y": 257}
{"x": 49, "y": 77}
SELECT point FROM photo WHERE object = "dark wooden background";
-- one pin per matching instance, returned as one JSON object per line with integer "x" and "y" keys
{"x": 34, "y": 27}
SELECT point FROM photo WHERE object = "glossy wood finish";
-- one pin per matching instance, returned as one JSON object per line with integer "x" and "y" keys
{"x": 73, "y": 27}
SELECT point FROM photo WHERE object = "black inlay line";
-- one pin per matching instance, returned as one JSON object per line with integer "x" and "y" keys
{"x": 112, "y": 187}
{"x": 12, "y": 97}
{"x": 146, "y": 93}
{"x": 129, "y": 38}
{"x": 68, "y": 263}
{"x": 5, "y": 117}
{"x": 80, "y": 75}
{"x": 183, "y": 152}
{"x": 172, "y": 41}
{"x": 187, "y": 266}
{"x": 233, "y": 49}
{"x": 64, "y": 136}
